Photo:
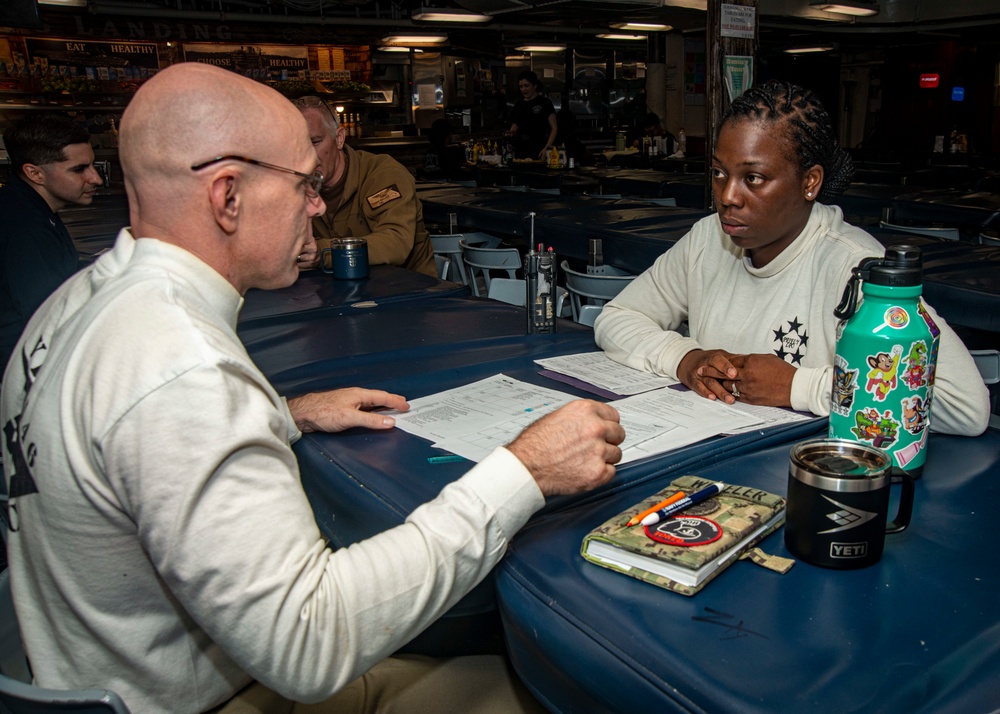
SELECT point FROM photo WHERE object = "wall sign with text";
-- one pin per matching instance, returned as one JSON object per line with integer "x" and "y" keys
{"x": 257, "y": 61}
{"x": 126, "y": 60}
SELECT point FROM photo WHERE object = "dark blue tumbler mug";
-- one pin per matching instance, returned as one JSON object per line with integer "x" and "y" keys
{"x": 348, "y": 258}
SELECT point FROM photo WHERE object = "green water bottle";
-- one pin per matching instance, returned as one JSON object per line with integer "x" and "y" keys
{"x": 883, "y": 371}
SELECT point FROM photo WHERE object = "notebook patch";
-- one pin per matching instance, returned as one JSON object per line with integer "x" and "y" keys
{"x": 380, "y": 198}
{"x": 685, "y": 531}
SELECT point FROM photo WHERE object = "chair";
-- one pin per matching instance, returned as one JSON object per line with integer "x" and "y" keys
{"x": 946, "y": 233}
{"x": 988, "y": 364}
{"x": 18, "y": 696}
{"x": 589, "y": 313}
{"x": 596, "y": 290}
{"x": 987, "y": 239}
{"x": 515, "y": 292}
{"x": 510, "y": 291}
{"x": 443, "y": 265}
{"x": 481, "y": 262}
{"x": 446, "y": 246}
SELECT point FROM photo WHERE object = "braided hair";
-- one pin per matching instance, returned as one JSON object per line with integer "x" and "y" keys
{"x": 808, "y": 127}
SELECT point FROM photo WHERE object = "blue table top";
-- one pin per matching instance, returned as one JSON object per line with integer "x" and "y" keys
{"x": 383, "y": 345}
{"x": 968, "y": 209}
{"x": 315, "y": 290}
{"x": 914, "y": 633}
{"x": 361, "y": 482}
{"x": 634, "y": 234}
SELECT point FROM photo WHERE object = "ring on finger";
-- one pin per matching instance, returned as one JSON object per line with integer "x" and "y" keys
{"x": 735, "y": 390}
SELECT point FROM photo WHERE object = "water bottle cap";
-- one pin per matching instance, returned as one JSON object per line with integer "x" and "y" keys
{"x": 901, "y": 267}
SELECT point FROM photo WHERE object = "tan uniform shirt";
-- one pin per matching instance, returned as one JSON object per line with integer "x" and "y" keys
{"x": 379, "y": 202}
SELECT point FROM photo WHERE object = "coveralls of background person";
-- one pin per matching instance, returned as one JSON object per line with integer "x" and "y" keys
{"x": 533, "y": 120}
{"x": 367, "y": 195}
{"x": 161, "y": 543}
{"x": 52, "y": 168}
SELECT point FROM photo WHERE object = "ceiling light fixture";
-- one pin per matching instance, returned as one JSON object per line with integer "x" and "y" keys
{"x": 64, "y": 3}
{"x": 808, "y": 50}
{"x": 641, "y": 26}
{"x": 429, "y": 14}
{"x": 540, "y": 48}
{"x": 426, "y": 38}
{"x": 855, "y": 8}
{"x": 620, "y": 36}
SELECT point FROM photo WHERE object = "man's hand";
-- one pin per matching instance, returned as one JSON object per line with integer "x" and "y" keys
{"x": 573, "y": 449}
{"x": 309, "y": 257}
{"x": 762, "y": 379}
{"x": 341, "y": 409}
{"x": 704, "y": 371}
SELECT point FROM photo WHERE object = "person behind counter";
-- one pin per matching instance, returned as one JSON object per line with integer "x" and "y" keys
{"x": 575, "y": 149}
{"x": 52, "y": 167}
{"x": 533, "y": 120}
{"x": 443, "y": 159}
{"x": 164, "y": 547}
{"x": 757, "y": 281}
{"x": 367, "y": 195}
{"x": 652, "y": 128}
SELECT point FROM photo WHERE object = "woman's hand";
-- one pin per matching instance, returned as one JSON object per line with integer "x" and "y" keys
{"x": 704, "y": 371}
{"x": 765, "y": 380}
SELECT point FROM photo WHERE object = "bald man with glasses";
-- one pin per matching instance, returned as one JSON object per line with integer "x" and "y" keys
{"x": 161, "y": 543}
{"x": 367, "y": 195}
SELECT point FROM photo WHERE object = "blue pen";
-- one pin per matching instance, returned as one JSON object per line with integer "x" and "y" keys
{"x": 696, "y": 497}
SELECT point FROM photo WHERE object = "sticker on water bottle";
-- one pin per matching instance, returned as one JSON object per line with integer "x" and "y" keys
{"x": 895, "y": 317}
{"x": 881, "y": 430}
{"x": 882, "y": 378}
{"x": 916, "y": 413}
{"x": 915, "y": 372}
{"x": 845, "y": 382}
{"x": 909, "y": 453}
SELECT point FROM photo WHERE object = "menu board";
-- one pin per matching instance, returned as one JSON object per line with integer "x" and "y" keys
{"x": 97, "y": 60}
{"x": 257, "y": 61}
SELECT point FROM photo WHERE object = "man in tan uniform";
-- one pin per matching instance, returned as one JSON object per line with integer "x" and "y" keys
{"x": 367, "y": 195}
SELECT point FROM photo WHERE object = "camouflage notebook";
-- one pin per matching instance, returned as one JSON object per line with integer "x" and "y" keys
{"x": 744, "y": 515}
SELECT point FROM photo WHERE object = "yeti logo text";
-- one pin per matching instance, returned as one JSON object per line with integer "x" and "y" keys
{"x": 847, "y": 517}
{"x": 849, "y": 550}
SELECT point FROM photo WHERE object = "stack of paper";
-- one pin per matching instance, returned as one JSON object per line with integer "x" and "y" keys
{"x": 474, "y": 419}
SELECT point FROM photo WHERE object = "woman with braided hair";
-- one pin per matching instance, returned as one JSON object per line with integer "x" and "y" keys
{"x": 758, "y": 280}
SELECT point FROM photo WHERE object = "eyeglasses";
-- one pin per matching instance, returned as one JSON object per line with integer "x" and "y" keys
{"x": 313, "y": 182}
{"x": 311, "y": 101}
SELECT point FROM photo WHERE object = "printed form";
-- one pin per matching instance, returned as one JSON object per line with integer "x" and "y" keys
{"x": 600, "y": 370}
{"x": 474, "y": 419}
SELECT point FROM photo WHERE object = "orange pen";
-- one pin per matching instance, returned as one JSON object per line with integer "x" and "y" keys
{"x": 662, "y": 504}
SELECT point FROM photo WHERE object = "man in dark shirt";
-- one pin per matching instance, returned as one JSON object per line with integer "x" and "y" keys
{"x": 52, "y": 166}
